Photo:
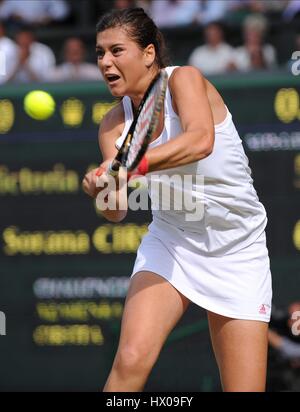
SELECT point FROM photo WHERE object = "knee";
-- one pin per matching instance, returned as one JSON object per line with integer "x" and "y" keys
{"x": 134, "y": 359}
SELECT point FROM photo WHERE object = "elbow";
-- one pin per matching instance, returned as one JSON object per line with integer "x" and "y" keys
{"x": 207, "y": 146}
{"x": 207, "y": 151}
{"x": 116, "y": 217}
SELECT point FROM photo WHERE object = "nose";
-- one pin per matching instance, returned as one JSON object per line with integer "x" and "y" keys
{"x": 106, "y": 60}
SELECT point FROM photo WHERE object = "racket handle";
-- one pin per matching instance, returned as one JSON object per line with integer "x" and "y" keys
{"x": 114, "y": 167}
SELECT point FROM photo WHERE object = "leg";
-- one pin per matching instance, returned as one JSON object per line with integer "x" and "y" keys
{"x": 240, "y": 348}
{"x": 152, "y": 309}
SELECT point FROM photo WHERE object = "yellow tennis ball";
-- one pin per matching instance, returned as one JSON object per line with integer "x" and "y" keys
{"x": 39, "y": 105}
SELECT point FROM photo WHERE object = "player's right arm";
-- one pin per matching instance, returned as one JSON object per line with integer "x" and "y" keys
{"x": 110, "y": 129}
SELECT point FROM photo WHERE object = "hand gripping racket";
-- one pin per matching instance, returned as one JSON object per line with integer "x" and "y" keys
{"x": 143, "y": 126}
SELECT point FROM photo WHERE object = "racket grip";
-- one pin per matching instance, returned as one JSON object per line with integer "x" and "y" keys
{"x": 114, "y": 167}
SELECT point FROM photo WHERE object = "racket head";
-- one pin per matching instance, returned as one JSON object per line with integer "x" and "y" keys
{"x": 145, "y": 123}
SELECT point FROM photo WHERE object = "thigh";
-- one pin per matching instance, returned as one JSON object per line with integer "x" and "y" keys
{"x": 152, "y": 309}
{"x": 240, "y": 348}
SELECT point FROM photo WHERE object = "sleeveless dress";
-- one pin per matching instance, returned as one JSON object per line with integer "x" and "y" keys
{"x": 218, "y": 257}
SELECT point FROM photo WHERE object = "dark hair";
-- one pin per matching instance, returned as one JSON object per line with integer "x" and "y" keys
{"x": 215, "y": 23}
{"x": 26, "y": 28}
{"x": 140, "y": 28}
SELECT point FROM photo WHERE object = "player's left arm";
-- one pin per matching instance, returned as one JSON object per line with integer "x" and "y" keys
{"x": 190, "y": 102}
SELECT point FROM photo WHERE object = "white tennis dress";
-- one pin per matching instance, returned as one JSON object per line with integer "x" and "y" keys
{"x": 218, "y": 259}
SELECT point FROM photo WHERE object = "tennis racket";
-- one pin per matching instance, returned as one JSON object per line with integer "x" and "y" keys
{"x": 143, "y": 126}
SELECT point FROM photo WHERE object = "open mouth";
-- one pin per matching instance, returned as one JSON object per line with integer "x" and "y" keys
{"x": 112, "y": 78}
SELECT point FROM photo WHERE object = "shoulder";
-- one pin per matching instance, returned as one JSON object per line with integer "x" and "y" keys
{"x": 199, "y": 50}
{"x": 43, "y": 49}
{"x": 269, "y": 48}
{"x": 241, "y": 50}
{"x": 7, "y": 44}
{"x": 187, "y": 84}
{"x": 90, "y": 66}
{"x": 185, "y": 75}
{"x": 91, "y": 71}
{"x": 227, "y": 47}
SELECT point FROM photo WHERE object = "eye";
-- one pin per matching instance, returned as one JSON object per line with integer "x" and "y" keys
{"x": 117, "y": 50}
{"x": 99, "y": 53}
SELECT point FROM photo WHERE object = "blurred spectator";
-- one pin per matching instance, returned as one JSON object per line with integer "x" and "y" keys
{"x": 9, "y": 50}
{"x": 34, "y": 60}
{"x": 296, "y": 48}
{"x": 266, "y": 6}
{"x": 287, "y": 346}
{"x": 255, "y": 54}
{"x": 238, "y": 11}
{"x": 34, "y": 12}
{"x": 123, "y": 4}
{"x": 292, "y": 10}
{"x": 215, "y": 56}
{"x": 145, "y": 4}
{"x": 240, "y": 4}
{"x": 212, "y": 10}
{"x": 173, "y": 13}
{"x": 74, "y": 66}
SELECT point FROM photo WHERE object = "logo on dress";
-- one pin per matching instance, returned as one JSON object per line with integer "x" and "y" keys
{"x": 262, "y": 309}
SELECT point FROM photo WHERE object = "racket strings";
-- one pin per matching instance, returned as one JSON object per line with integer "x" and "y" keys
{"x": 145, "y": 123}
{"x": 143, "y": 127}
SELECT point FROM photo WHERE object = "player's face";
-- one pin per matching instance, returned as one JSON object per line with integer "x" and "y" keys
{"x": 122, "y": 62}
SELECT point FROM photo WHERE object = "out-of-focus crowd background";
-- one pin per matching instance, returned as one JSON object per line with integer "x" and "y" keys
{"x": 53, "y": 40}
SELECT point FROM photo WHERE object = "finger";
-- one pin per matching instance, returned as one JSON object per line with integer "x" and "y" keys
{"x": 100, "y": 171}
{"x": 102, "y": 179}
{"x": 84, "y": 183}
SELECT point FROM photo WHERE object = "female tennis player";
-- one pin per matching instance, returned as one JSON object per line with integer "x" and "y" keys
{"x": 219, "y": 262}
